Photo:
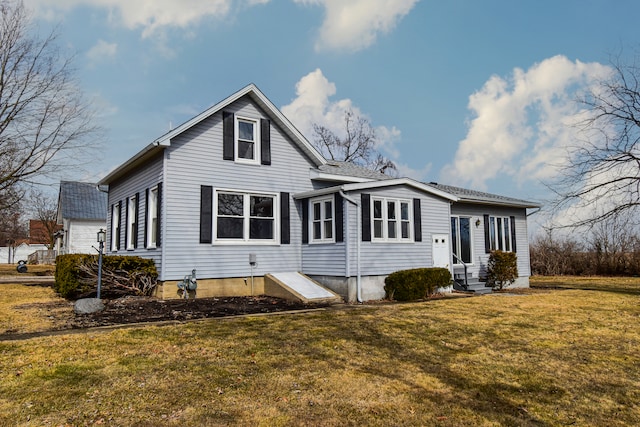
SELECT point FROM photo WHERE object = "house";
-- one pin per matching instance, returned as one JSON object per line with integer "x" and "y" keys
{"x": 82, "y": 212}
{"x": 239, "y": 194}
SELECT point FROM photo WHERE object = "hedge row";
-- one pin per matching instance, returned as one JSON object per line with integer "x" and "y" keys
{"x": 415, "y": 284}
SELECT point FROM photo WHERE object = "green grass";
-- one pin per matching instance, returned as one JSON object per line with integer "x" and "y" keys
{"x": 545, "y": 357}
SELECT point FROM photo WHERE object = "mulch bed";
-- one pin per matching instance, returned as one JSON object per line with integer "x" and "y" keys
{"x": 128, "y": 310}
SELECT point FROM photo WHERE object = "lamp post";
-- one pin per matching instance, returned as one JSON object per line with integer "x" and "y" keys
{"x": 101, "y": 237}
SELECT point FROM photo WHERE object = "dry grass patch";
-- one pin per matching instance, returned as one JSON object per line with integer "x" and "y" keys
{"x": 27, "y": 309}
{"x": 566, "y": 357}
{"x": 32, "y": 270}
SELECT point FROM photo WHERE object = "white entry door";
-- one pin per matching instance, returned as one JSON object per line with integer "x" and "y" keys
{"x": 440, "y": 250}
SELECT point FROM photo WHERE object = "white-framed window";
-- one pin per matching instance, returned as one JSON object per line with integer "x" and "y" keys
{"x": 391, "y": 219}
{"x": 322, "y": 220}
{"x": 500, "y": 233}
{"x": 461, "y": 239}
{"x": 245, "y": 217}
{"x": 115, "y": 226}
{"x": 152, "y": 218}
{"x": 247, "y": 133}
{"x": 132, "y": 222}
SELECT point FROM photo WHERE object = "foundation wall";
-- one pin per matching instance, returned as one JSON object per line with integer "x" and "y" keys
{"x": 227, "y": 287}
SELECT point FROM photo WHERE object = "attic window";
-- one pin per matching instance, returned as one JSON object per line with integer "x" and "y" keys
{"x": 247, "y": 137}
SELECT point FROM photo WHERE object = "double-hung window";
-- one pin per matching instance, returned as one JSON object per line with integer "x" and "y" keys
{"x": 500, "y": 233}
{"x": 115, "y": 226}
{"x": 461, "y": 239}
{"x": 247, "y": 136}
{"x": 152, "y": 218}
{"x": 322, "y": 221}
{"x": 391, "y": 219}
{"x": 245, "y": 217}
{"x": 132, "y": 222}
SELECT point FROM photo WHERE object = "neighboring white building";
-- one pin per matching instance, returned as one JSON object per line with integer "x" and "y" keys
{"x": 21, "y": 252}
{"x": 82, "y": 212}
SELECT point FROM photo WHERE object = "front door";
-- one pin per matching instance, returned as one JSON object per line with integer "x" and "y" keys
{"x": 440, "y": 250}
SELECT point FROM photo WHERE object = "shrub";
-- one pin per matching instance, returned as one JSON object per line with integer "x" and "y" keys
{"x": 417, "y": 283}
{"x": 77, "y": 275}
{"x": 502, "y": 269}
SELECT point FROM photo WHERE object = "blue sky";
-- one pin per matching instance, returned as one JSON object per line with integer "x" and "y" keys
{"x": 472, "y": 93}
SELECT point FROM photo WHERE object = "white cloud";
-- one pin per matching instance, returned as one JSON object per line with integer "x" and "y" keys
{"x": 522, "y": 124}
{"x": 312, "y": 105}
{"x": 353, "y": 25}
{"x": 152, "y": 16}
{"x": 101, "y": 51}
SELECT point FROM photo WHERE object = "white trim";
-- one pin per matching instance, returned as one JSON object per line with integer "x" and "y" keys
{"x": 256, "y": 139}
{"x": 384, "y": 211}
{"x": 506, "y": 237}
{"x": 318, "y": 175}
{"x": 377, "y": 184}
{"x": 458, "y": 241}
{"x": 246, "y": 240}
{"x": 115, "y": 226}
{"x": 152, "y": 207}
{"x": 322, "y": 220}
{"x": 132, "y": 216}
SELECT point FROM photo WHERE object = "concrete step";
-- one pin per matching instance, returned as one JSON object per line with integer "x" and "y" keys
{"x": 473, "y": 285}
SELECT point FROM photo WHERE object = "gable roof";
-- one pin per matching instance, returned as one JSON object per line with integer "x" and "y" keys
{"x": 473, "y": 196}
{"x": 81, "y": 200}
{"x": 252, "y": 91}
{"x": 378, "y": 184}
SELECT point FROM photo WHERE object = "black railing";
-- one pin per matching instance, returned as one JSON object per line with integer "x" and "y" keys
{"x": 459, "y": 261}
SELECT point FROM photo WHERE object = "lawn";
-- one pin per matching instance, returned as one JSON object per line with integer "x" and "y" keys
{"x": 541, "y": 357}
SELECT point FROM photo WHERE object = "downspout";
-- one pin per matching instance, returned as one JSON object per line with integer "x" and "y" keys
{"x": 358, "y": 239}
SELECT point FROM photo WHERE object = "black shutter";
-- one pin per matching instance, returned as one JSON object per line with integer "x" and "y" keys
{"x": 285, "y": 232}
{"x": 365, "y": 201}
{"x": 126, "y": 223}
{"x": 119, "y": 225}
{"x": 136, "y": 221}
{"x": 206, "y": 212}
{"x": 265, "y": 141}
{"x": 487, "y": 235}
{"x": 111, "y": 229}
{"x": 513, "y": 233}
{"x": 146, "y": 216}
{"x": 305, "y": 221}
{"x": 417, "y": 221}
{"x": 339, "y": 217}
{"x": 228, "y": 125}
{"x": 158, "y": 226}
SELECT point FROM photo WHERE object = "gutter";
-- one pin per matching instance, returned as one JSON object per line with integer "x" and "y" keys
{"x": 358, "y": 239}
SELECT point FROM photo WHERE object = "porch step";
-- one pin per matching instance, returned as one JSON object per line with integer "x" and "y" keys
{"x": 473, "y": 285}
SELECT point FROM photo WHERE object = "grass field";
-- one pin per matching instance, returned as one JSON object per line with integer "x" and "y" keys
{"x": 537, "y": 358}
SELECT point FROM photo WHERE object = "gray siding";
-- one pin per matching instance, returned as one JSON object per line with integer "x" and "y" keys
{"x": 195, "y": 158}
{"x": 480, "y": 258}
{"x": 379, "y": 258}
{"x": 144, "y": 178}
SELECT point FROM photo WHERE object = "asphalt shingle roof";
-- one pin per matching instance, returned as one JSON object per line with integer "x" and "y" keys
{"x": 349, "y": 169}
{"x": 82, "y": 200}
{"x": 467, "y": 195}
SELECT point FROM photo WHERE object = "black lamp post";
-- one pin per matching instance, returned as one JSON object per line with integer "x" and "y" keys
{"x": 101, "y": 237}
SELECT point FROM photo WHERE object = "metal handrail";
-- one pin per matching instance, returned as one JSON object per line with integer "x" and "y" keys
{"x": 466, "y": 284}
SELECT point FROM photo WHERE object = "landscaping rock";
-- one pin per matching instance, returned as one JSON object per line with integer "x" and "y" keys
{"x": 88, "y": 306}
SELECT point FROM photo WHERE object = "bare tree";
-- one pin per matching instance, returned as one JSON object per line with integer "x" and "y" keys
{"x": 359, "y": 145}
{"x": 45, "y": 210}
{"x": 44, "y": 120}
{"x": 601, "y": 179}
